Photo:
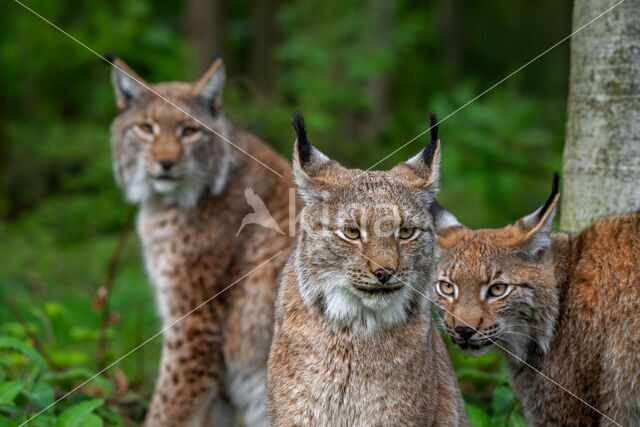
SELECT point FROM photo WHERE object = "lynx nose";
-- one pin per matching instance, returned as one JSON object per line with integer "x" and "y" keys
{"x": 383, "y": 274}
{"x": 166, "y": 164}
{"x": 465, "y": 332}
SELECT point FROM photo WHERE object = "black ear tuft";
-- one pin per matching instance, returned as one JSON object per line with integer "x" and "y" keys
{"x": 216, "y": 56}
{"x": 554, "y": 192}
{"x": 430, "y": 149}
{"x": 433, "y": 119}
{"x": 304, "y": 146}
{"x": 109, "y": 57}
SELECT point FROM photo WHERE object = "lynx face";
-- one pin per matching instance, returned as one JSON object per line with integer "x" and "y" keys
{"x": 497, "y": 285}
{"x": 162, "y": 153}
{"x": 363, "y": 237}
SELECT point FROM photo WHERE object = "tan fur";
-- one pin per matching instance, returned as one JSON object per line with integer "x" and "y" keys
{"x": 573, "y": 312}
{"x": 214, "y": 360}
{"x": 344, "y": 356}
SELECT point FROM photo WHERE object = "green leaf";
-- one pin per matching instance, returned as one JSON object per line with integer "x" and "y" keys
{"x": 503, "y": 399}
{"x": 109, "y": 416}
{"x": 43, "y": 421}
{"x": 516, "y": 420}
{"x": 54, "y": 309}
{"x": 478, "y": 417}
{"x": 82, "y": 374}
{"x": 79, "y": 415}
{"x": 41, "y": 395}
{"x": 7, "y": 422}
{"x": 17, "y": 345}
{"x": 9, "y": 391}
{"x": 93, "y": 421}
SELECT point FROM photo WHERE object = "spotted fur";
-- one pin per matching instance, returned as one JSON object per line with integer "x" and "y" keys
{"x": 350, "y": 348}
{"x": 571, "y": 311}
{"x": 214, "y": 360}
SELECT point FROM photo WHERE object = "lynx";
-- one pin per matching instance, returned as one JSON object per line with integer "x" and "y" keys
{"x": 170, "y": 157}
{"x": 566, "y": 305}
{"x": 354, "y": 342}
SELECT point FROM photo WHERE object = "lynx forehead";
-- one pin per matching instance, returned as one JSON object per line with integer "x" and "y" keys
{"x": 169, "y": 139}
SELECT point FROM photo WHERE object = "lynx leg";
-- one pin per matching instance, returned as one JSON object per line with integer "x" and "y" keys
{"x": 190, "y": 369}
{"x": 247, "y": 337}
{"x": 219, "y": 412}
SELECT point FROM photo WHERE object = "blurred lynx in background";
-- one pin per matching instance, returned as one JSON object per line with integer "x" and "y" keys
{"x": 190, "y": 184}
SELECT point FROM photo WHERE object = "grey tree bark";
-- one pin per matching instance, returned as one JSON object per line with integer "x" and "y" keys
{"x": 602, "y": 149}
{"x": 203, "y": 25}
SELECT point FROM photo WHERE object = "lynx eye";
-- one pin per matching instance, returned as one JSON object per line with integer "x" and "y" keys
{"x": 351, "y": 233}
{"x": 146, "y": 128}
{"x": 446, "y": 289}
{"x": 497, "y": 290}
{"x": 188, "y": 131}
{"x": 406, "y": 232}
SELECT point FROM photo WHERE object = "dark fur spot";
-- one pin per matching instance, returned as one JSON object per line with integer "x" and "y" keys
{"x": 320, "y": 304}
{"x": 411, "y": 308}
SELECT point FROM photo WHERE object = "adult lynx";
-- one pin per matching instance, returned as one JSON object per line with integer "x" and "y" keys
{"x": 567, "y": 305}
{"x": 354, "y": 341}
{"x": 191, "y": 185}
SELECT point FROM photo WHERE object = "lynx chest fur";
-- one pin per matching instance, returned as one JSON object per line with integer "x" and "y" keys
{"x": 213, "y": 210}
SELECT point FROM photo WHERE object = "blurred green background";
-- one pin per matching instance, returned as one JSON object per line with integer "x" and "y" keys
{"x": 365, "y": 73}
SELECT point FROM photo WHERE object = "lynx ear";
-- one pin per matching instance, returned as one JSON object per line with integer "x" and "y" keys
{"x": 210, "y": 86}
{"x": 422, "y": 170}
{"x": 445, "y": 225}
{"x": 536, "y": 227}
{"x": 127, "y": 85}
{"x": 312, "y": 170}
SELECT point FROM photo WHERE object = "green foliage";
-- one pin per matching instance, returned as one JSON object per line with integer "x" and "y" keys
{"x": 365, "y": 73}
{"x": 30, "y": 387}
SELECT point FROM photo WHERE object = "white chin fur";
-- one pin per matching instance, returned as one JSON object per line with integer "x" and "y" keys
{"x": 164, "y": 186}
{"x": 346, "y": 307}
{"x": 184, "y": 193}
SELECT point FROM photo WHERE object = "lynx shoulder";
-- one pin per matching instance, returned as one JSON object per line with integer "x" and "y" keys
{"x": 354, "y": 342}
{"x": 565, "y": 305}
{"x": 195, "y": 177}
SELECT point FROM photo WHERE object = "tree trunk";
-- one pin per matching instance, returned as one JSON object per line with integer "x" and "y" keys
{"x": 203, "y": 25}
{"x": 263, "y": 30}
{"x": 602, "y": 150}
{"x": 376, "y": 88}
{"x": 453, "y": 28}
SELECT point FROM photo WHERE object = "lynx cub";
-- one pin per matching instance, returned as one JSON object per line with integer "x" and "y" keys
{"x": 566, "y": 304}
{"x": 354, "y": 341}
{"x": 190, "y": 184}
